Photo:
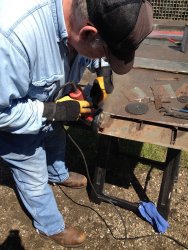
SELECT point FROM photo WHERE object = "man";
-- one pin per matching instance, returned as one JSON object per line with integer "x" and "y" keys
{"x": 43, "y": 45}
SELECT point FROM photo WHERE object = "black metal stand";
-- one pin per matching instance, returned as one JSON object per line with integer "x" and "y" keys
{"x": 170, "y": 173}
{"x": 170, "y": 176}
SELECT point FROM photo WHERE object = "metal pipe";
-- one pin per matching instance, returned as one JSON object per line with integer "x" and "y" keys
{"x": 184, "y": 43}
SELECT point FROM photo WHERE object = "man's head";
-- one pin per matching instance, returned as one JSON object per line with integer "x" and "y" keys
{"x": 111, "y": 28}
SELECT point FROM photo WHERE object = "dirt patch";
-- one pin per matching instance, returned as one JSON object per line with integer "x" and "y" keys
{"x": 17, "y": 232}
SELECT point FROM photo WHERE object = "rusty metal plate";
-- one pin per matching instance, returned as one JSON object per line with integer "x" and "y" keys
{"x": 153, "y": 134}
{"x": 163, "y": 65}
{"x": 145, "y": 79}
{"x": 153, "y": 126}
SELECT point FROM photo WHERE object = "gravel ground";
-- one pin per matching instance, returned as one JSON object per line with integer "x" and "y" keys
{"x": 17, "y": 232}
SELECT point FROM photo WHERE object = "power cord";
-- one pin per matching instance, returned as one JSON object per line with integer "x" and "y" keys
{"x": 119, "y": 213}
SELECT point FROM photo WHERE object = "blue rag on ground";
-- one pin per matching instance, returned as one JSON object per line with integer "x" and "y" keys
{"x": 149, "y": 211}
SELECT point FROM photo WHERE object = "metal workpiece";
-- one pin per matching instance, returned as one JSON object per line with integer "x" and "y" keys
{"x": 162, "y": 65}
{"x": 101, "y": 121}
{"x": 97, "y": 122}
{"x": 175, "y": 112}
{"x": 145, "y": 80}
{"x": 184, "y": 42}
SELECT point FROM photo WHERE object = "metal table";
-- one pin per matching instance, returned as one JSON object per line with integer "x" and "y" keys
{"x": 152, "y": 68}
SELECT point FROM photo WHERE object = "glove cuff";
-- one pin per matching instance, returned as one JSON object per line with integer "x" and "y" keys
{"x": 49, "y": 110}
{"x": 106, "y": 72}
{"x": 62, "y": 111}
{"x": 67, "y": 111}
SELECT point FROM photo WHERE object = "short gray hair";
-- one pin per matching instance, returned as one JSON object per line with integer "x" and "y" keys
{"x": 80, "y": 10}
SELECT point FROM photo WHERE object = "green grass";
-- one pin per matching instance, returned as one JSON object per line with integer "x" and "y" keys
{"x": 143, "y": 149}
{"x": 184, "y": 159}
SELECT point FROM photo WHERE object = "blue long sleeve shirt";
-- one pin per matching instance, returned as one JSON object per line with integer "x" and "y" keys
{"x": 34, "y": 62}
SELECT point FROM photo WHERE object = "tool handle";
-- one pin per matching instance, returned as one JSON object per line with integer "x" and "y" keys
{"x": 177, "y": 115}
{"x": 77, "y": 94}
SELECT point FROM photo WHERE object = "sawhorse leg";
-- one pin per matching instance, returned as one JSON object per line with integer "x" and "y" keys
{"x": 100, "y": 169}
{"x": 106, "y": 143}
{"x": 169, "y": 177}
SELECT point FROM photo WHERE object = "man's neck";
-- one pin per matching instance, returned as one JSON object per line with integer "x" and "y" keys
{"x": 67, "y": 11}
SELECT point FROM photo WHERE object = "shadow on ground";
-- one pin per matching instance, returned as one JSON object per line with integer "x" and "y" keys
{"x": 12, "y": 242}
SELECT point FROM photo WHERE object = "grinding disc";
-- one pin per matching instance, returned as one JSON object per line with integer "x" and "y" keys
{"x": 183, "y": 99}
{"x": 136, "y": 108}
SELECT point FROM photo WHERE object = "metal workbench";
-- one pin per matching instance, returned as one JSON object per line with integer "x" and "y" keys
{"x": 152, "y": 68}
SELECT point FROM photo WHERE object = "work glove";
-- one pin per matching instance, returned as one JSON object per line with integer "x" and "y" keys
{"x": 102, "y": 85}
{"x": 66, "y": 109}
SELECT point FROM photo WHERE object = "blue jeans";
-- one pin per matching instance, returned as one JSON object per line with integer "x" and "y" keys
{"x": 35, "y": 160}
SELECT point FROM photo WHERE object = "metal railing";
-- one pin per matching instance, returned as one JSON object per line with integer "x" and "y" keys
{"x": 170, "y": 9}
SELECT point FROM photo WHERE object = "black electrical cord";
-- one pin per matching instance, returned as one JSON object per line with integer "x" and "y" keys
{"x": 119, "y": 213}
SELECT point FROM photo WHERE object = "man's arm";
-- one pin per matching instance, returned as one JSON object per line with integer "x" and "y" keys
{"x": 18, "y": 114}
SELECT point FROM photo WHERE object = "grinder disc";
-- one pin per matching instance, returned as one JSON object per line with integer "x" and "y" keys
{"x": 136, "y": 108}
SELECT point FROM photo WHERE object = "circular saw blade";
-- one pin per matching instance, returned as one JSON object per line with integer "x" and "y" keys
{"x": 136, "y": 108}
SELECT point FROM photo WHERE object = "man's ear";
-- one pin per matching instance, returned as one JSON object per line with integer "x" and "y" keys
{"x": 88, "y": 33}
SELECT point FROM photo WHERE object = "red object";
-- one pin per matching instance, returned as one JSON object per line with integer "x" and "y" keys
{"x": 77, "y": 94}
{"x": 167, "y": 34}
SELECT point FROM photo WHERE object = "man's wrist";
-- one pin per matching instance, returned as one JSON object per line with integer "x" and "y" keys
{"x": 49, "y": 110}
{"x": 62, "y": 111}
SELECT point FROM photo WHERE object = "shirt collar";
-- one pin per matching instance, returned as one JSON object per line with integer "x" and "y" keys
{"x": 59, "y": 21}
